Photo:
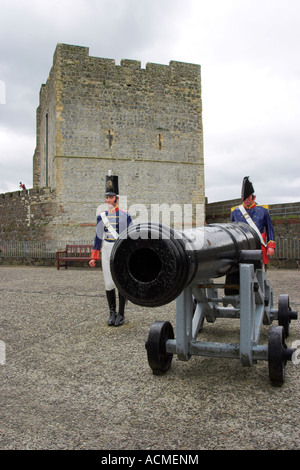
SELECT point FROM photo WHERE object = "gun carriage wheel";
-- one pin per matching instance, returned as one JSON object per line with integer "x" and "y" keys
{"x": 159, "y": 359}
{"x": 285, "y": 313}
{"x": 278, "y": 354}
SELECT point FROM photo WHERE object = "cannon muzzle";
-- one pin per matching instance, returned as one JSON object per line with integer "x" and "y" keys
{"x": 151, "y": 263}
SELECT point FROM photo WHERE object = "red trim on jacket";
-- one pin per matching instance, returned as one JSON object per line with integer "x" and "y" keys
{"x": 95, "y": 255}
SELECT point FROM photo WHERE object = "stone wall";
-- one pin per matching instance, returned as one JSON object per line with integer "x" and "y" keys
{"x": 27, "y": 215}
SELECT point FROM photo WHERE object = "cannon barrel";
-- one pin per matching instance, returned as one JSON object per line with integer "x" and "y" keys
{"x": 151, "y": 263}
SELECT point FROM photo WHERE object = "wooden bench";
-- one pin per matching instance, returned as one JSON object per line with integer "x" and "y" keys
{"x": 73, "y": 253}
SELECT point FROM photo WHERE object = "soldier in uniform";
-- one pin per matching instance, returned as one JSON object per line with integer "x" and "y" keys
{"x": 256, "y": 216}
{"x": 109, "y": 225}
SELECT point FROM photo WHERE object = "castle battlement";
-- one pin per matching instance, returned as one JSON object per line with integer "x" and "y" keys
{"x": 67, "y": 56}
{"x": 42, "y": 192}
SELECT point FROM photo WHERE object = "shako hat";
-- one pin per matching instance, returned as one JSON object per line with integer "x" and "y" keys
{"x": 111, "y": 184}
{"x": 247, "y": 188}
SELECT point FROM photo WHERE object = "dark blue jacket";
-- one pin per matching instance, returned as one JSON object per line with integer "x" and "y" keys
{"x": 118, "y": 219}
{"x": 260, "y": 217}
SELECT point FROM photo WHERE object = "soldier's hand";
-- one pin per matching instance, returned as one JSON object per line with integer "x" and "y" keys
{"x": 270, "y": 251}
{"x": 92, "y": 263}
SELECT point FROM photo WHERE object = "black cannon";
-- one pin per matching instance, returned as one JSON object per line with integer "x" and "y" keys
{"x": 153, "y": 265}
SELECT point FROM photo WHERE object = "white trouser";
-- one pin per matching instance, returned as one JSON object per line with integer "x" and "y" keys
{"x": 106, "y": 251}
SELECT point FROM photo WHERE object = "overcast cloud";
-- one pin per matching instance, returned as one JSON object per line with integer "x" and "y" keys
{"x": 249, "y": 56}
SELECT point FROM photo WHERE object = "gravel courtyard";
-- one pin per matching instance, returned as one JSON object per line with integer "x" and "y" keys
{"x": 71, "y": 382}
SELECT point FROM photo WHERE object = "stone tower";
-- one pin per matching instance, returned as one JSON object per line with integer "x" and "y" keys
{"x": 143, "y": 124}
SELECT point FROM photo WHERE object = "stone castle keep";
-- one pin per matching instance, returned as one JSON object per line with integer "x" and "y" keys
{"x": 143, "y": 124}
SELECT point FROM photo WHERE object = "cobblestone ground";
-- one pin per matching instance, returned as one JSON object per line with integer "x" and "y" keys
{"x": 68, "y": 381}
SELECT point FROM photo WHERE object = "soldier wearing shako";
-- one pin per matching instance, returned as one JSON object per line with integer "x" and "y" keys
{"x": 110, "y": 224}
{"x": 256, "y": 216}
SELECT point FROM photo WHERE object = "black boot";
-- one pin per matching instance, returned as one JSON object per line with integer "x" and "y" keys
{"x": 111, "y": 299}
{"x": 121, "y": 315}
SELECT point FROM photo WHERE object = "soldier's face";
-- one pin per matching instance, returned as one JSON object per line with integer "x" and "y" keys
{"x": 111, "y": 201}
{"x": 249, "y": 201}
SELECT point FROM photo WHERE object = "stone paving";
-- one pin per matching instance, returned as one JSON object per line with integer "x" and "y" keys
{"x": 71, "y": 382}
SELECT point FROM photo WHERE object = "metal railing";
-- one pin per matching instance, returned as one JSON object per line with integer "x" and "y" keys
{"x": 35, "y": 249}
{"x": 286, "y": 248}
{"x": 285, "y": 211}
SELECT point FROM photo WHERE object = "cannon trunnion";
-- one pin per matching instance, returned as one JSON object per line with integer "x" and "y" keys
{"x": 153, "y": 265}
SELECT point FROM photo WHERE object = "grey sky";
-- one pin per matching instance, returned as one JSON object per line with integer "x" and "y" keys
{"x": 248, "y": 52}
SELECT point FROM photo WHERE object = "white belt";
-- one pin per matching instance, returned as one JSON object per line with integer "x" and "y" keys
{"x": 109, "y": 227}
{"x": 251, "y": 223}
